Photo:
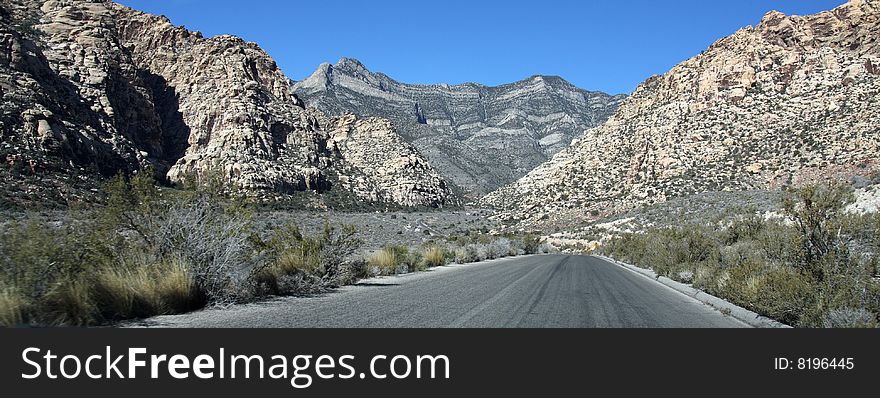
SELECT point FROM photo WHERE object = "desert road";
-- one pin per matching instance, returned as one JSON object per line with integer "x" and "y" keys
{"x": 529, "y": 291}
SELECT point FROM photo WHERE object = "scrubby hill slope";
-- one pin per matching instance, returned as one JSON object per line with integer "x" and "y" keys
{"x": 792, "y": 99}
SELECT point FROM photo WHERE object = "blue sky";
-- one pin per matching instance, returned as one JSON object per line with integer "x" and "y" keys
{"x": 599, "y": 45}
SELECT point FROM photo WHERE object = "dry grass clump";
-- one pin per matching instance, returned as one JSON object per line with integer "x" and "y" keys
{"x": 164, "y": 288}
{"x": 434, "y": 256}
{"x": 12, "y": 307}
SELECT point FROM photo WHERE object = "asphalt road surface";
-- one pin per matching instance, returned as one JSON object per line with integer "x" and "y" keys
{"x": 529, "y": 291}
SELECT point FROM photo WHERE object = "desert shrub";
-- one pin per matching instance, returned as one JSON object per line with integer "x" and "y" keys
{"x": 872, "y": 293}
{"x": 743, "y": 228}
{"x": 307, "y": 260}
{"x": 34, "y": 255}
{"x": 175, "y": 288}
{"x": 481, "y": 246}
{"x": 517, "y": 248}
{"x": 877, "y": 230}
{"x": 781, "y": 244}
{"x": 359, "y": 269}
{"x": 498, "y": 248}
{"x": 785, "y": 295}
{"x": 149, "y": 251}
{"x": 741, "y": 283}
{"x": 738, "y": 254}
{"x": 305, "y": 264}
{"x": 848, "y": 317}
{"x": 207, "y": 226}
{"x": 531, "y": 244}
{"x": 434, "y": 256}
{"x": 470, "y": 253}
{"x": 545, "y": 248}
{"x": 814, "y": 209}
{"x": 214, "y": 242}
{"x": 134, "y": 204}
{"x": 293, "y": 263}
{"x": 404, "y": 260}
{"x": 481, "y": 251}
{"x": 449, "y": 252}
{"x": 668, "y": 251}
{"x": 122, "y": 294}
{"x": 48, "y": 267}
{"x": 415, "y": 262}
{"x": 706, "y": 277}
{"x": 338, "y": 246}
{"x": 464, "y": 256}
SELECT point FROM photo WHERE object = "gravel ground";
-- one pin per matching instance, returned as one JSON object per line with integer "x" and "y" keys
{"x": 380, "y": 228}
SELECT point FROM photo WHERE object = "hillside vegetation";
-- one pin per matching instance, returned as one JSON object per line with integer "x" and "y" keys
{"x": 147, "y": 251}
{"x": 817, "y": 267}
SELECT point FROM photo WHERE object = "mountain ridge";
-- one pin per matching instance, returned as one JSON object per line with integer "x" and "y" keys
{"x": 478, "y": 136}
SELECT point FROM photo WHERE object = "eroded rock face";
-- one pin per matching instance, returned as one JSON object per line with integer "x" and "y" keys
{"x": 95, "y": 86}
{"x": 790, "y": 100}
{"x": 479, "y": 137}
{"x": 391, "y": 170}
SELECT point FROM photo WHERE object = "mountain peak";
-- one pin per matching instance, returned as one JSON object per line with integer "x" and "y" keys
{"x": 351, "y": 65}
{"x": 772, "y": 17}
{"x": 346, "y": 61}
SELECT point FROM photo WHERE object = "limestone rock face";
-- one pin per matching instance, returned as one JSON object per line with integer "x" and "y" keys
{"x": 792, "y": 99}
{"x": 93, "y": 87}
{"x": 390, "y": 169}
{"x": 477, "y": 136}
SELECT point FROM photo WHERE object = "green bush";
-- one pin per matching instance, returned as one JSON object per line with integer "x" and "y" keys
{"x": 743, "y": 228}
{"x": 815, "y": 211}
{"x": 531, "y": 243}
{"x": 305, "y": 264}
{"x": 780, "y": 244}
{"x": 784, "y": 294}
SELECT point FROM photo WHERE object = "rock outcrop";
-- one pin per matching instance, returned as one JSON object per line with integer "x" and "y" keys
{"x": 385, "y": 167}
{"x": 94, "y": 88}
{"x": 477, "y": 136}
{"x": 792, "y": 99}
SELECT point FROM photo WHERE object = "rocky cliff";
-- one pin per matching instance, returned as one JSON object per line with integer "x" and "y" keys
{"x": 92, "y": 88}
{"x": 792, "y": 99}
{"x": 479, "y": 137}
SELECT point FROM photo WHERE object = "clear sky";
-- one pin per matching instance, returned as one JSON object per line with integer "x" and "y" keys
{"x": 598, "y": 45}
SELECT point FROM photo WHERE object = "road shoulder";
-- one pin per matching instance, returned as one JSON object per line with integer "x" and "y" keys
{"x": 746, "y": 316}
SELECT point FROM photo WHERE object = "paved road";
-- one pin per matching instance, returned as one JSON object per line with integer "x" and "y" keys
{"x": 529, "y": 291}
